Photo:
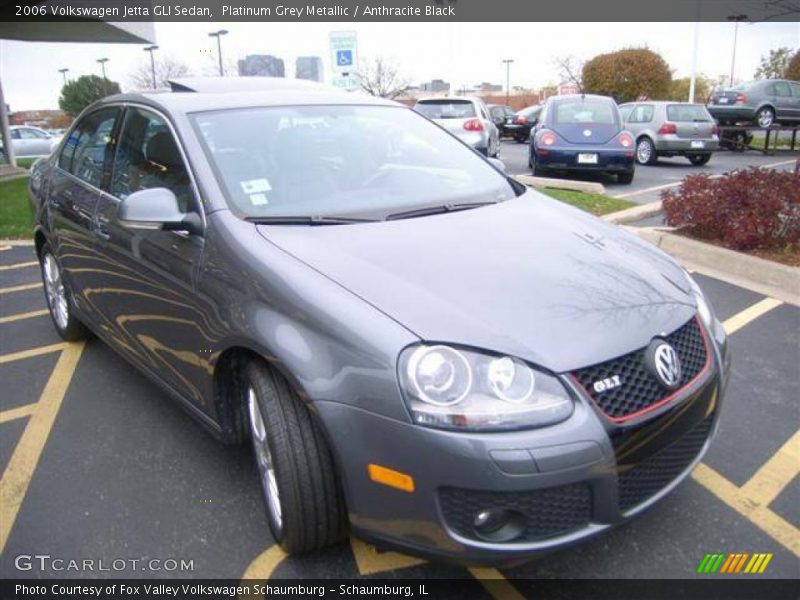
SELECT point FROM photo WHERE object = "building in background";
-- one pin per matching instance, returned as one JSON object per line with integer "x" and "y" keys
{"x": 309, "y": 67}
{"x": 435, "y": 86}
{"x": 261, "y": 65}
{"x": 45, "y": 119}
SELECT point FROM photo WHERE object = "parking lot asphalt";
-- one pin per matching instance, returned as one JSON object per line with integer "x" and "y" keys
{"x": 98, "y": 463}
{"x": 649, "y": 181}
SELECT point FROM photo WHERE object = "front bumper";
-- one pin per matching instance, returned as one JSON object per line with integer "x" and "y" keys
{"x": 570, "y": 481}
{"x": 557, "y": 158}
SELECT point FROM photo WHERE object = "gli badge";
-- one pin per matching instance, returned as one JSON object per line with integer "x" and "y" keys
{"x": 662, "y": 361}
{"x": 609, "y": 383}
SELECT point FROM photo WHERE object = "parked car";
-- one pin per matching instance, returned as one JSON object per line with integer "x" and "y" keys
{"x": 519, "y": 125}
{"x": 416, "y": 346}
{"x": 499, "y": 114}
{"x": 581, "y": 133}
{"x": 29, "y": 141}
{"x": 466, "y": 118}
{"x": 671, "y": 129}
{"x": 763, "y": 102}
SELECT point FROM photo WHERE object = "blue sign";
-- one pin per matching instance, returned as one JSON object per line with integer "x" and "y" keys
{"x": 344, "y": 58}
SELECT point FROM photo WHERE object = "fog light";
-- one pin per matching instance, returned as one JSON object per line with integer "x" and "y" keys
{"x": 489, "y": 521}
{"x": 498, "y": 524}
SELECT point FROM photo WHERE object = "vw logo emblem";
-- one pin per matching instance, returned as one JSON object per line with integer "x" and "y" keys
{"x": 662, "y": 360}
{"x": 587, "y": 132}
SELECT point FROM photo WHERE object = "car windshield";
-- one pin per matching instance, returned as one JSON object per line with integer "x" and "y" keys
{"x": 341, "y": 161}
{"x": 570, "y": 112}
{"x": 446, "y": 109}
{"x": 692, "y": 113}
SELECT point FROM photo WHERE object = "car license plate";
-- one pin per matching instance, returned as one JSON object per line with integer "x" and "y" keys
{"x": 587, "y": 158}
{"x": 722, "y": 100}
{"x": 698, "y": 144}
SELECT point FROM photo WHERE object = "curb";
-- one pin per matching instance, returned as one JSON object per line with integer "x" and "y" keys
{"x": 16, "y": 242}
{"x": 590, "y": 187}
{"x": 633, "y": 214}
{"x": 760, "y": 275}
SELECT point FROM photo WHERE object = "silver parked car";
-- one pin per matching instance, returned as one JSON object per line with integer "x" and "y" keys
{"x": 466, "y": 118}
{"x": 671, "y": 129}
{"x": 31, "y": 141}
{"x": 763, "y": 102}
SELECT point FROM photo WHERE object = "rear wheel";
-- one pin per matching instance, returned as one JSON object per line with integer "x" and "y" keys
{"x": 699, "y": 160}
{"x": 765, "y": 117}
{"x": 646, "y": 152}
{"x": 625, "y": 177}
{"x": 57, "y": 293}
{"x": 305, "y": 509}
{"x": 535, "y": 168}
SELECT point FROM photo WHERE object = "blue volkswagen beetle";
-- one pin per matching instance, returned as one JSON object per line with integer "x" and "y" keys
{"x": 581, "y": 133}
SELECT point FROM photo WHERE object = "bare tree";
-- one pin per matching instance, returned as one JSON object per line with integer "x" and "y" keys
{"x": 166, "y": 68}
{"x": 570, "y": 70}
{"x": 381, "y": 78}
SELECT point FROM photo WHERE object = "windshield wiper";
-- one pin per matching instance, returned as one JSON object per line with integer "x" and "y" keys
{"x": 305, "y": 220}
{"x": 435, "y": 210}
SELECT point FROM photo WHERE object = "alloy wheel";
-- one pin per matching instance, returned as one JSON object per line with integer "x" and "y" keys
{"x": 54, "y": 288}
{"x": 266, "y": 468}
{"x": 644, "y": 152}
{"x": 765, "y": 118}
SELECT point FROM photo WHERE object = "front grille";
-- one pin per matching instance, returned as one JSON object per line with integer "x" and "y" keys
{"x": 547, "y": 513}
{"x": 655, "y": 473}
{"x": 639, "y": 389}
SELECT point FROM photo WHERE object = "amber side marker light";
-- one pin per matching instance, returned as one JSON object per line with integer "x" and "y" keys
{"x": 390, "y": 477}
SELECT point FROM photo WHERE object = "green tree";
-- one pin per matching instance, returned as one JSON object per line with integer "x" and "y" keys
{"x": 81, "y": 92}
{"x": 774, "y": 64}
{"x": 679, "y": 89}
{"x": 793, "y": 67}
{"x": 627, "y": 75}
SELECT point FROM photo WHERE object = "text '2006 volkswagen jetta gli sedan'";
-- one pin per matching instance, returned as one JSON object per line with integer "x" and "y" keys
{"x": 418, "y": 348}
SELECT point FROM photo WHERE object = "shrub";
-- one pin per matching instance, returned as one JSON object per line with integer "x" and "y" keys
{"x": 745, "y": 210}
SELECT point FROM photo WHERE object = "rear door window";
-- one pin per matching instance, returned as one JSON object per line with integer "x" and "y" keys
{"x": 781, "y": 89}
{"x": 643, "y": 113}
{"x": 691, "y": 113}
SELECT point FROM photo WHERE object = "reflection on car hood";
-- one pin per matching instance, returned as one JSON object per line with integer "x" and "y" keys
{"x": 529, "y": 277}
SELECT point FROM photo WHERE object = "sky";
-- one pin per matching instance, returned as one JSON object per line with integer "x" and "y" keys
{"x": 464, "y": 54}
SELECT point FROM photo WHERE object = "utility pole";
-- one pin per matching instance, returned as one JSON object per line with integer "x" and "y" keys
{"x": 218, "y": 35}
{"x": 103, "y": 62}
{"x": 736, "y": 20}
{"x": 151, "y": 49}
{"x": 508, "y": 62}
{"x": 64, "y": 73}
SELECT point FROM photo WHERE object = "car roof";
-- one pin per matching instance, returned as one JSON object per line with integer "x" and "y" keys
{"x": 217, "y": 93}
{"x": 449, "y": 99}
{"x": 579, "y": 97}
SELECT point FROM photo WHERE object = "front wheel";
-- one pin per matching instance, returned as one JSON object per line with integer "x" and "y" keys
{"x": 698, "y": 160}
{"x": 765, "y": 117}
{"x": 305, "y": 508}
{"x": 57, "y": 294}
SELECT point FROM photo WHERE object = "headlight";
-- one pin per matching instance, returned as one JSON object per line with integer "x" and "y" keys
{"x": 451, "y": 388}
{"x": 703, "y": 307}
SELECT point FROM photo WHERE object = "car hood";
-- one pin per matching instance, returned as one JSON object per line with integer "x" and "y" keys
{"x": 529, "y": 277}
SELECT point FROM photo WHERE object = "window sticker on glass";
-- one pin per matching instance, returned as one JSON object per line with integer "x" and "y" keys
{"x": 254, "y": 186}
{"x": 258, "y": 199}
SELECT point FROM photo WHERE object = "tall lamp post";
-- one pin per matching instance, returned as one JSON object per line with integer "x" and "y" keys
{"x": 103, "y": 62}
{"x": 151, "y": 49}
{"x": 64, "y": 73}
{"x": 508, "y": 62}
{"x": 736, "y": 20}
{"x": 218, "y": 35}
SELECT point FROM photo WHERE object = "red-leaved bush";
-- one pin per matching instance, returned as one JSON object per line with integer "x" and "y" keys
{"x": 745, "y": 210}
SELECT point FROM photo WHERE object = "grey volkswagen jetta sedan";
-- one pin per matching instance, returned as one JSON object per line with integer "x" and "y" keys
{"x": 419, "y": 349}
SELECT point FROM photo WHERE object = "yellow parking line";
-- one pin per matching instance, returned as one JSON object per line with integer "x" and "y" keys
{"x": 21, "y": 316}
{"x": 761, "y": 516}
{"x": 496, "y": 584}
{"x": 17, "y": 413}
{"x": 20, "y": 288}
{"x": 12, "y": 356}
{"x": 739, "y": 320}
{"x": 369, "y": 561}
{"x": 775, "y": 474}
{"x": 21, "y": 466}
{"x": 32, "y": 263}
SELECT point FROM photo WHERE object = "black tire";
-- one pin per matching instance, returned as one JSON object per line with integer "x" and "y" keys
{"x": 765, "y": 117}
{"x": 520, "y": 139}
{"x": 312, "y": 510}
{"x": 625, "y": 177}
{"x": 647, "y": 154}
{"x": 698, "y": 160}
{"x": 58, "y": 296}
{"x": 535, "y": 168}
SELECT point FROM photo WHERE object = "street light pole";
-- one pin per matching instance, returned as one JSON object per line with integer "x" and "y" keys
{"x": 508, "y": 62}
{"x": 103, "y": 62}
{"x": 151, "y": 49}
{"x": 64, "y": 73}
{"x": 736, "y": 19}
{"x": 218, "y": 35}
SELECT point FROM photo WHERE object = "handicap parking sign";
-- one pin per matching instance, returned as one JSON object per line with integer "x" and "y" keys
{"x": 344, "y": 58}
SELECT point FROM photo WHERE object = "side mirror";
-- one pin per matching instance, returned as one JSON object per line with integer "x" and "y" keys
{"x": 156, "y": 208}
{"x": 498, "y": 164}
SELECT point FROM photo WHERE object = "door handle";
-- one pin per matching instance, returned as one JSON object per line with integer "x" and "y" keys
{"x": 100, "y": 224}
